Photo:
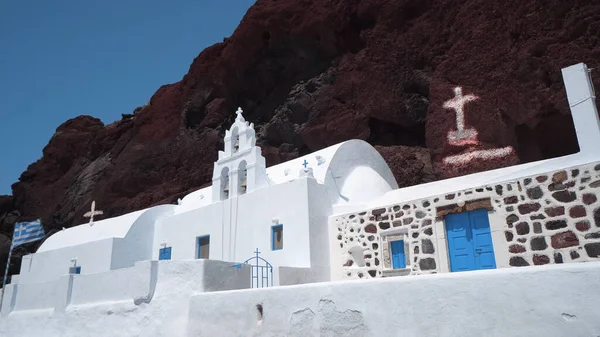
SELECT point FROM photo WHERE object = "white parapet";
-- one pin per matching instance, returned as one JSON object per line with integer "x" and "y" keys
{"x": 581, "y": 97}
{"x": 550, "y": 301}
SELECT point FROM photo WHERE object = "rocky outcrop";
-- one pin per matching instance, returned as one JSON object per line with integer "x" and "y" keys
{"x": 313, "y": 73}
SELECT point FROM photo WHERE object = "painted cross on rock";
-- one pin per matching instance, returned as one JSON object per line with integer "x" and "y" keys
{"x": 461, "y": 136}
{"x": 468, "y": 136}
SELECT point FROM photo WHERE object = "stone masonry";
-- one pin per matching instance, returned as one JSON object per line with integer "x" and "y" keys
{"x": 547, "y": 218}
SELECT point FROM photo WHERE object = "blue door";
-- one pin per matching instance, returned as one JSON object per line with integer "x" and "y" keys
{"x": 398, "y": 256}
{"x": 470, "y": 241}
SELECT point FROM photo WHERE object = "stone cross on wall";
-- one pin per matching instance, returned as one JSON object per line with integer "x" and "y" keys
{"x": 305, "y": 163}
{"x": 462, "y": 135}
{"x": 92, "y": 212}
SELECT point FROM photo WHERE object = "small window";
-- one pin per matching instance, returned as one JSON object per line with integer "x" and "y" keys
{"x": 277, "y": 237}
{"x": 164, "y": 253}
{"x": 202, "y": 247}
{"x": 398, "y": 254}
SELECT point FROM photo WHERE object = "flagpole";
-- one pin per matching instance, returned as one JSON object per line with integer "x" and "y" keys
{"x": 7, "y": 266}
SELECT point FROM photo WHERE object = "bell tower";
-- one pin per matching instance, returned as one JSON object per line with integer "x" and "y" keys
{"x": 241, "y": 168}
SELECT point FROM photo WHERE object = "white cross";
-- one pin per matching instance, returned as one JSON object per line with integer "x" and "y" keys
{"x": 461, "y": 136}
{"x": 239, "y": 115}
{"x": 92, "y": 212}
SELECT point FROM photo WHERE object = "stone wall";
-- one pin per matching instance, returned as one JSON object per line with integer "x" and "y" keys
{"x": 547, "y": 218}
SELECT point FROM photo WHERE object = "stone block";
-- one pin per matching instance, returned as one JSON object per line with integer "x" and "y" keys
{"x": 427, "y": 246}
{"x": 538, "y": 243}
{"x": 427, "y": 264}
{"x": 522, "y": 228}
{"x": 537, "y": 217}
{"x": 518, "y": 261}
{"x": 512, "y": 218}
{"x": 558, "y": 257}
{"x": 564, "y": 196}
{"x": 577, "y": 212}
{"x": 529, "y": 208}
{"x": 515, "y": 249}
{"x": 583, "y": 226}
{"x": 540, "y": 259}
{"x": 378, "y": 211}
{"x": 574, "y": 254}
{"x": 589, "y": 198}
{"x": 559, "y": 177}
{"x": 554, "y": 211}
{"x": 564, "y": 240}
{"x": 591, "y": 236}
{"x": 592, "y": 249}
{"x": 556, "y": 224}
{"x": 535, "y": 193}
{"x": 370, "y": 228}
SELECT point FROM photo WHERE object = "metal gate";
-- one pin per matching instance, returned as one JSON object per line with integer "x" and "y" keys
{"x": 262, "y": 271}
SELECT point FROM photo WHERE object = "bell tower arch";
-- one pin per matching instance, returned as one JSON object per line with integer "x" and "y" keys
{"x": 240, "y": 166}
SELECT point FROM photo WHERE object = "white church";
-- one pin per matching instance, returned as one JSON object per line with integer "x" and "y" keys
{"x": 282, "y": 211}
{"x": 336, "y": 214}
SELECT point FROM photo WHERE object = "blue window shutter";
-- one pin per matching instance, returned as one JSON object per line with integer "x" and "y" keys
{"x": 164, "y": 253}
{"x": 277, "y": 237}
{"x": 398, "y": 256}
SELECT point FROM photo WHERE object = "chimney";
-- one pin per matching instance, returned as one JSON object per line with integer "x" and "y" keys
{"x": 582, "y": 101}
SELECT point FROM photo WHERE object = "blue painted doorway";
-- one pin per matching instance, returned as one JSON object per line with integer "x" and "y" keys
{"x": 470, "y": 241}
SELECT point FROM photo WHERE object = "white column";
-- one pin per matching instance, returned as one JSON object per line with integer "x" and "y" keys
{"x": 581, "y": 97}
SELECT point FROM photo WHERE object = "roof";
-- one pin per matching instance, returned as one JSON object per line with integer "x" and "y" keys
{"x": 506, "y": 174}
{"x": 336, "y": 162}
{"x": 116, "y": 227}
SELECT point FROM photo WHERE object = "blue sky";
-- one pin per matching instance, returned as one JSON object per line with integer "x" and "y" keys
{"x": 60, "y": 59}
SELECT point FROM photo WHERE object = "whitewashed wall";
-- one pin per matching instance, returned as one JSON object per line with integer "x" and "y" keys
{"x": 36, "y": 296}
{"x": 93, "y": 257}
{"x": 137, "y": 244}
{"x": 550, "y": 301}
{"x": 239, "y": 225}
{"x": 135, "y": 285}
{"x": 109, "y": 286}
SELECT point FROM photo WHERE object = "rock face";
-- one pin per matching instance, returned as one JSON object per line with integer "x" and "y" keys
{"x": 310, "y": 74}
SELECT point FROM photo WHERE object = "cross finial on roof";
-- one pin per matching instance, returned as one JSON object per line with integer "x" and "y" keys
{"x": 92, "y": 212}
{"x": 239, "y": 115}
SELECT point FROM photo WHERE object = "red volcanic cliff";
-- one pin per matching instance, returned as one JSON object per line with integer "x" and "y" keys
{"x": 310, "y": 74}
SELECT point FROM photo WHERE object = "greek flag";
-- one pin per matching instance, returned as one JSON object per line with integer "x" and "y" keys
{"x": 27, "y": 232}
